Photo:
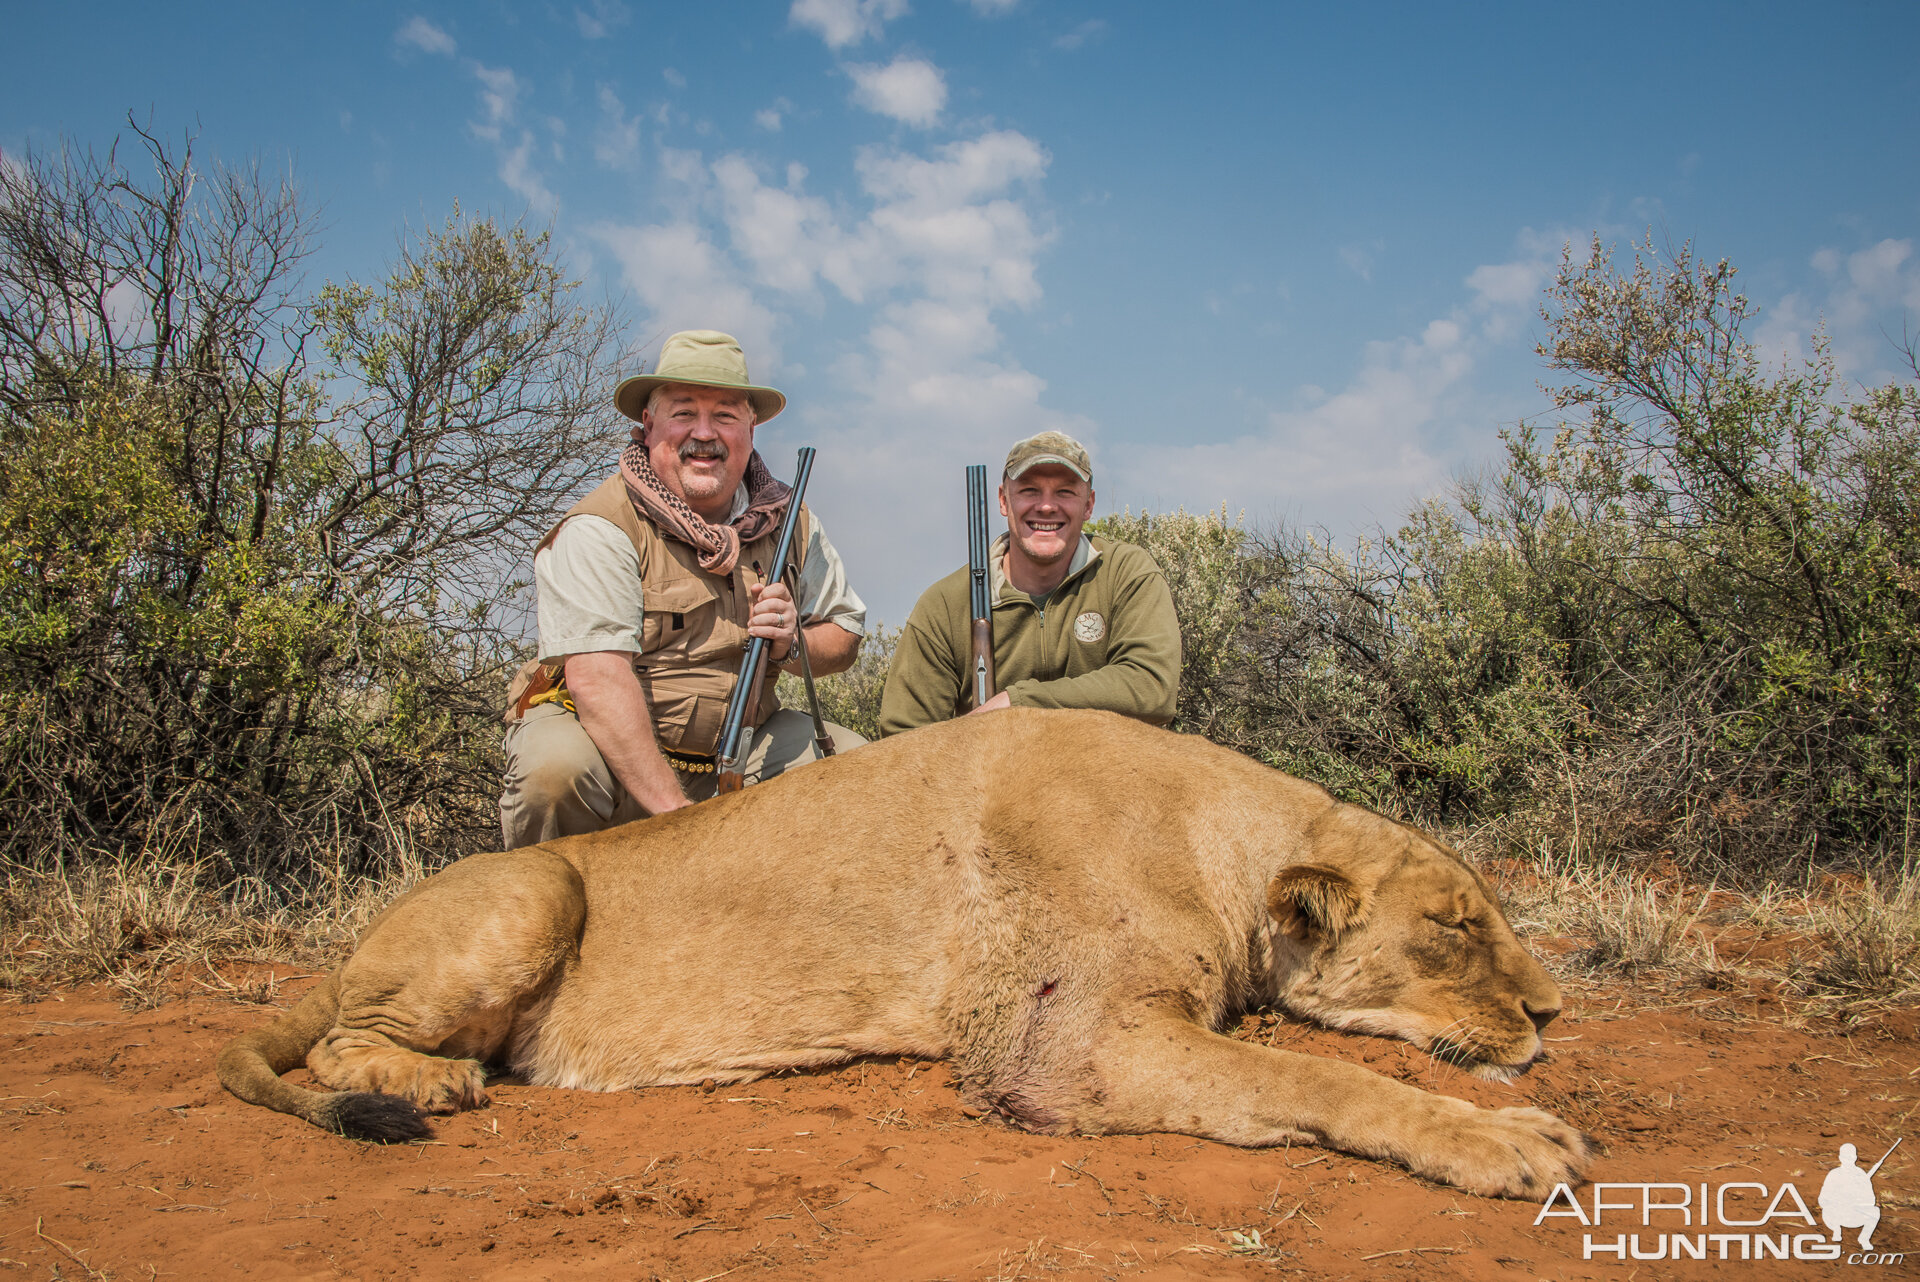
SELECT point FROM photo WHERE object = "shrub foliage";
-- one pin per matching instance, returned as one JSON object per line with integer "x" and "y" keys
{"x": 251, "y": 538}
{"x": 1681, "y": 622}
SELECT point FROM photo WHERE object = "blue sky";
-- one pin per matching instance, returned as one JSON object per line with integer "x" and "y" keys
{"x": 1277, "y": 256}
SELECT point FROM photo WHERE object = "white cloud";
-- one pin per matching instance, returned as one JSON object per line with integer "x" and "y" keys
{"x": 784, "y": 234}
{"x": 518, "y": 173}
{"x": 499, "y": 97}
{"x": 1358, "y": 259}
{"x": 770, "y": 118}
{"x": 845, "y": 22}
{"x": 418, "y": 33}
{"x": 600, "y": 17}
{"x": 958, "y": 173}
{"x": 1865, "y": 297}
{"x": 500, "y": 94}
{"x": 617, "y": 143}
{"x": 686, "y": 282}
{"x": 1360, "y": 454}
{"x": 1507, "y": 284}
{"x": 933, "y": 246}
{"x": 1331, "y": 458}
{"x": 1091, "y": 29}
{"x": 909, "y": 90}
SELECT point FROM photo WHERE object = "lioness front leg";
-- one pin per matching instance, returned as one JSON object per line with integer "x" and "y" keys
{"x": 433, "y": 990}
{"x": 1169, "y": 1075}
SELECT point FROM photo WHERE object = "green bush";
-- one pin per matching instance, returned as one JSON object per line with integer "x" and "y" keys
{"x": 850, "y": 698}
{"x": 1680, "y": 625}
{"x": 251, "y": 540}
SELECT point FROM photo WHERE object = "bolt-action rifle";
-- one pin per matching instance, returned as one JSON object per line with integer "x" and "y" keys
{"x": 730, "y": 750}
{"x": 980, "y": 590}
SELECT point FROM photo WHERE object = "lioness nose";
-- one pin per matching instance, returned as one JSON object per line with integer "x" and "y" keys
{"x": 1540, "y": 1015}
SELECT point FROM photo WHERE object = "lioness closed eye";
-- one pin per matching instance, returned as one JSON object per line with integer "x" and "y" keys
{"x": 1065, "y": 904}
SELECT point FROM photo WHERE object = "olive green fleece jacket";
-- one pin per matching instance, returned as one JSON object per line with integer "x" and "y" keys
{"x": 1106, "y": 638}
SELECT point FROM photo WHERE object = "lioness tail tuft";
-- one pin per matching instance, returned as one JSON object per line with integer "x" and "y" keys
{"x": 367, "y": 1115}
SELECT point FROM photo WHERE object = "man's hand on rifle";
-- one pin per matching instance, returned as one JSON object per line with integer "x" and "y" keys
{"x": 1001, "y": 700}
{"x": 773, "y": 616}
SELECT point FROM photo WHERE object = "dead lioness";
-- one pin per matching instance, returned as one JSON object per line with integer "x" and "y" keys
{"x": 1065, "y": 904}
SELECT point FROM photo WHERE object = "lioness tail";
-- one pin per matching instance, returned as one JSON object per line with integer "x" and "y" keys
{"x": 251, "y": 1065}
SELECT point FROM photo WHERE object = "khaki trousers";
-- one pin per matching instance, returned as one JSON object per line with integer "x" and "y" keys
{"x": 558, "y": 785}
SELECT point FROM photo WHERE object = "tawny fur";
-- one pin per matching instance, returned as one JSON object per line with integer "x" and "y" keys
{"x": 1065, "y": 904}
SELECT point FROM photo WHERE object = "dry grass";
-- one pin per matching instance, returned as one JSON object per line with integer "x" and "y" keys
{"x": 147, "y": 927}
{"x": 1872, "y": 941}
{"x": 1857, "y": 938}
{"x": 1625, "y": 923}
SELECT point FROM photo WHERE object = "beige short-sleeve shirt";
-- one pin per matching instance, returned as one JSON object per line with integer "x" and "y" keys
{"x": 587, "y": 581}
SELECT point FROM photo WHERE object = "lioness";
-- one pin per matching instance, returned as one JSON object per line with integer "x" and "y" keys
{"x": 1066, "y": 904}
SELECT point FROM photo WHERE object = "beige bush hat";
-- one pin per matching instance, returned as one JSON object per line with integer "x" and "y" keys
{"x": 1048, "y": 447}
{"x": 704, "y": 357}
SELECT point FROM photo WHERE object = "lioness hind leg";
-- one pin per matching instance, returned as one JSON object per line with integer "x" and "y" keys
{"x": 436, "y": 986}
{"x": 435, "y": 1083}
{"x": 1169, "y": 1075}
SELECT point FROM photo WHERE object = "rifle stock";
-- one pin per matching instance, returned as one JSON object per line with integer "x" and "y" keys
{"x": 979, "y": 685}
{"x": 730, "y": 749}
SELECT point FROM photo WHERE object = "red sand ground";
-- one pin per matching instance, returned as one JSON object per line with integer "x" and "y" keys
{"x": 123, "y": 1158}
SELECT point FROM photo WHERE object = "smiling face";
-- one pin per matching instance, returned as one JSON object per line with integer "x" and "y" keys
{"x": 1045, "y": 507}
{"x": 699, "y": 440}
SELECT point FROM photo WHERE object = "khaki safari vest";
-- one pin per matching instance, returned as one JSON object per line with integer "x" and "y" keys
{"x": 693, "y": 633}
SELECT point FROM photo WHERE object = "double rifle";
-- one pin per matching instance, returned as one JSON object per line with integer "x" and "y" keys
{"x": 979, "y": 687}
{"x": 730, "y": 750}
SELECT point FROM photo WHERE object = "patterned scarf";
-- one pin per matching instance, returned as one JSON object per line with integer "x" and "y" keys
{"x": 717, "y": 545}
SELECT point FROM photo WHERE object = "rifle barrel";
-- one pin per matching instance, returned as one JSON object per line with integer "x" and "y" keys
{"x": 977, "y": 541}
{"x": 979, "y": 589}
{"x": 730, "y": 748}
{"x": 1875, "y": 1168}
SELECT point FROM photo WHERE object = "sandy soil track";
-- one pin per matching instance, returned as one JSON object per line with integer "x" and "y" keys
{"x": 122, "y": 1157}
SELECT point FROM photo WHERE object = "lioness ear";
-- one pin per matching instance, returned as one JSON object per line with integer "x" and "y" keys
{"x": 1311, "y": 898}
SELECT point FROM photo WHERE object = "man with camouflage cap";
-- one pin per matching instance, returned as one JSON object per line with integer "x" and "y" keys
{"x": 1079, "y": 621}
{"x": 649, "y": 591}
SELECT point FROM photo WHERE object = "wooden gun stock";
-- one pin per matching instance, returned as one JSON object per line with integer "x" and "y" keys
{"x": 980, "y": 668}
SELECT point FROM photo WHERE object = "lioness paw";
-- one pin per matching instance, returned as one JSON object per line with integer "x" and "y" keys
{"x": 448, "y": 1085}
{"x": 1509, "y": 1152}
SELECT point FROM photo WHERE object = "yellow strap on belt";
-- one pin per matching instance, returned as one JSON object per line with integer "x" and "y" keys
{"x": 557, "y": 695}
{"x": 685, "y": 762}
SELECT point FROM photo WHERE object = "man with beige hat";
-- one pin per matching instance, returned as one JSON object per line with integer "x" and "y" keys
{"x": 1079, "y": 621}
{"x": 649, "y": 590}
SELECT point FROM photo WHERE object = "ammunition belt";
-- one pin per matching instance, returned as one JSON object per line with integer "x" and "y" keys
{"x": 688, "y": 762}
{"x": 691, "y": 763}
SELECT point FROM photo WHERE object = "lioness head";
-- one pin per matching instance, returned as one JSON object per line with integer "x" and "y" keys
{"x": 1381, "y": 929}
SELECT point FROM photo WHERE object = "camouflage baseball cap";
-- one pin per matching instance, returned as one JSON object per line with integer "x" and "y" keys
{"x": 1048, "y": 447}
